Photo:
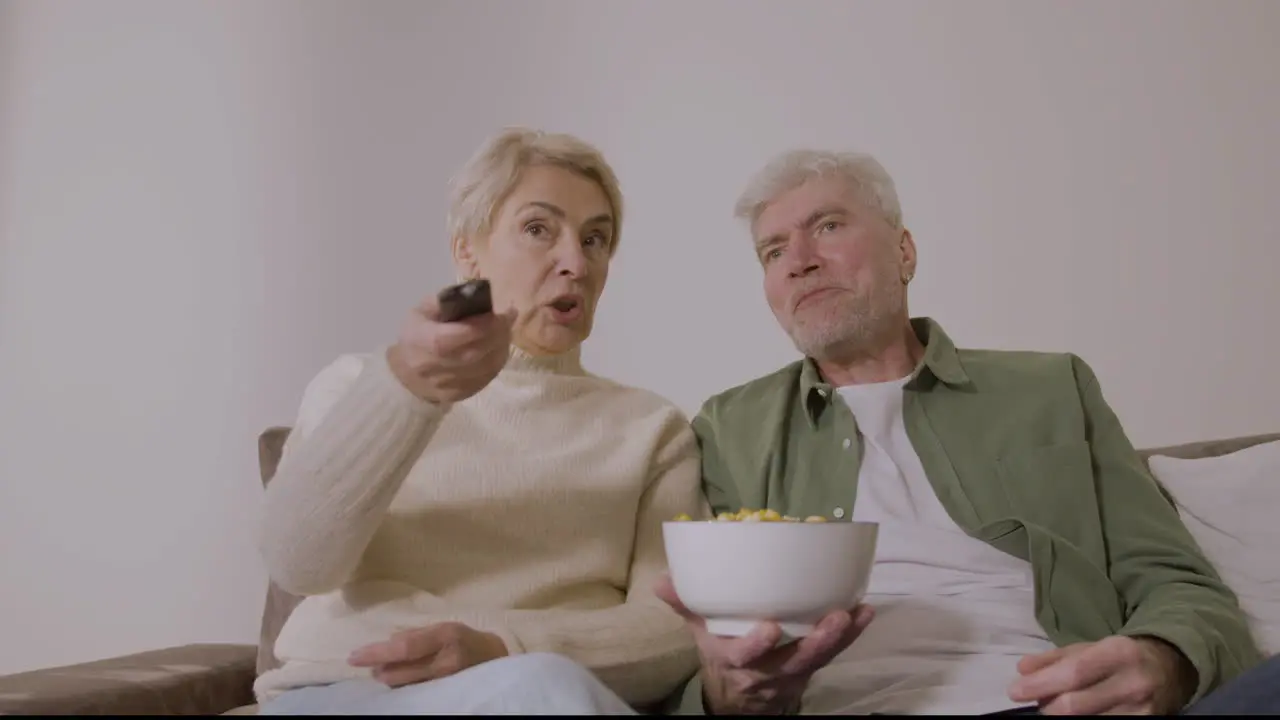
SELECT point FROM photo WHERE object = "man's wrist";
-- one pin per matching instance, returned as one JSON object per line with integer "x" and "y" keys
{"x": 781, "y": 705}
{"x": 707, "y": 706}
{"x": 1180, "y": 674}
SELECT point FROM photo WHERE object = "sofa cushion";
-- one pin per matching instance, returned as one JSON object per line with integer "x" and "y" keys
{"x": 279, "y": 604}
{"x": 1229, "y": 504}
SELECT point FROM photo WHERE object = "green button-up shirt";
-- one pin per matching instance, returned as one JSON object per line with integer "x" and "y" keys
{"x": 1024, "y": 454}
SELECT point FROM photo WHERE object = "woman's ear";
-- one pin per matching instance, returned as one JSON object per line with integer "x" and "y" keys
{"x": 464, "y": 259}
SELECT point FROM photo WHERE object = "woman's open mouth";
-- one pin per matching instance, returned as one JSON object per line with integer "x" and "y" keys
{"x": 566, "y": 308}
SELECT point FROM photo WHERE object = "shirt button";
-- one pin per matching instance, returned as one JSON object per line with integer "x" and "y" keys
{"x": 838, "y": 512}
{"x": 846, "y": 444}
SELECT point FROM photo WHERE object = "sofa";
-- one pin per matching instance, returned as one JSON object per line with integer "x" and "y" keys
{"x": 212, "y": 679}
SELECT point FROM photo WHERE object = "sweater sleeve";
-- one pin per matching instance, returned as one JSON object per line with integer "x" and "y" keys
{"x": 357, "y": 433}
{"x": 640, "y": 649}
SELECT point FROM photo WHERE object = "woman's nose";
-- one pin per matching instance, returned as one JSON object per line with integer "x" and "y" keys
{"x": 571, "y": 260}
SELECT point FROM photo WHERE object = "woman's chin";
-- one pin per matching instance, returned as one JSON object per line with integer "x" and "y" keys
{"x": 552, "y": 339}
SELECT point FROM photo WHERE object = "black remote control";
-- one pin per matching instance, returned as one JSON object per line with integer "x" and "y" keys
{"x": 465, "y": 300}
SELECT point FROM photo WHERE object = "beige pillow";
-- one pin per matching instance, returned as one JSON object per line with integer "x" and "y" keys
{"x": 1230, "y": 504}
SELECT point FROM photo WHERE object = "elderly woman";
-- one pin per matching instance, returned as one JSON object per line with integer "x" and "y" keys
{"x": 475, "y": 520}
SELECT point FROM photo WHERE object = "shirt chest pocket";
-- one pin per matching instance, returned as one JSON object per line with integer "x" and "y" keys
{"x": 1052, "y": 486}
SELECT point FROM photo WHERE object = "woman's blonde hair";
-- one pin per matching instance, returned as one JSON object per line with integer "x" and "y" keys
{"x": 479, "y": 189}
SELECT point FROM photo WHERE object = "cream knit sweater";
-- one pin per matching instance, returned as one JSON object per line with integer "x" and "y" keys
{"x": 532, "y": 510}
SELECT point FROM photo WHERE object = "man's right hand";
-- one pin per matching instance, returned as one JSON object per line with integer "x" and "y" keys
{"x": 752, "y": 676}
{"x": 446, "y": 362}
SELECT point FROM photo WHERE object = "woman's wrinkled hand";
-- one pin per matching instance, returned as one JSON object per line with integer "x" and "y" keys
{"x": 446, "y": 362}
{"x": 428, "y": 653}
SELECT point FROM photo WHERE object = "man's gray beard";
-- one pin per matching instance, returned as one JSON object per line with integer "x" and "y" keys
{"x": 858, "y": 331}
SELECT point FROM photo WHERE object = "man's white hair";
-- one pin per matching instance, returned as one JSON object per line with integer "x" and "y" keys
{"x": 793, "y": 168}
{"x": 483, "y": 184}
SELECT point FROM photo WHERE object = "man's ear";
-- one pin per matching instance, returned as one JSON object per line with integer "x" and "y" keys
{"x": 907, "y": 253}
{"x": 464, "y": 258}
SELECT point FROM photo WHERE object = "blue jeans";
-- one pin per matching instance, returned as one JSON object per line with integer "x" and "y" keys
{"x": 533, "y": 684}
{"x": 1254, "y": 692}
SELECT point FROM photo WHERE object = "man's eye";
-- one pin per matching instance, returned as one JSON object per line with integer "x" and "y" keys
{"x": 830, "y": 225}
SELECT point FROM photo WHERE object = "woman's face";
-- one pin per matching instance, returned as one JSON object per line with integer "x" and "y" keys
{"x": 547, "y": 256}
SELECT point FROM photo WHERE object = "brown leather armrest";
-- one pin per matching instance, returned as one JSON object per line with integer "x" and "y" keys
{"x": 186, "y": 680}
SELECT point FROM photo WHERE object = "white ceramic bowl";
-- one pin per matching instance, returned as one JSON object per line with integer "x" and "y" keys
{"x": 735, "y": 574}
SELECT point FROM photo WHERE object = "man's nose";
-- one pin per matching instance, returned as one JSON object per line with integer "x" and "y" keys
{"x": 801, "y": 260}
{"x": 802, "y": 269}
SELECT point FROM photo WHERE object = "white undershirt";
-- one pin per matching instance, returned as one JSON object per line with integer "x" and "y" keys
{"x": 953, "y": 614}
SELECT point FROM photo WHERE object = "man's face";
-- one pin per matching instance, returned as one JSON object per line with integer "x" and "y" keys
{"x": 833, "y": 268}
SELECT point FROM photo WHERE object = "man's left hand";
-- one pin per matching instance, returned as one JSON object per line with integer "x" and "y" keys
{"x": 1116, "y": 675}
{"x": 428, "y": 653}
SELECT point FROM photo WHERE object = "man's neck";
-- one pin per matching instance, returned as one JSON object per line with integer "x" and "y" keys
{"x": 891, "y": 359}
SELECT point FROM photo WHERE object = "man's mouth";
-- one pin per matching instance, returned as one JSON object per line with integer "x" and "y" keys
{"x": 811, "y": 295}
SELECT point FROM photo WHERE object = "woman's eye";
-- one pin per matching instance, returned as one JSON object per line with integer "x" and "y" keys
{"x": 536, "y": 229}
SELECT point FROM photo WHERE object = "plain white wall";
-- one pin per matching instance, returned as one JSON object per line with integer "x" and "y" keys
{"x": 202, "y": 203}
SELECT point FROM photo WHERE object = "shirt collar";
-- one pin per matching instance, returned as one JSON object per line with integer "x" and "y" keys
{"x": 940, "y": 362}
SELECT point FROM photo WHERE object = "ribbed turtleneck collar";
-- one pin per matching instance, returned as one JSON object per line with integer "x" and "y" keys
{"x": 566, "y": 363}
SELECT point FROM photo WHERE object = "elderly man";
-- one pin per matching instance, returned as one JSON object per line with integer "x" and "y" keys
{"x": 1027, "y": 561}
